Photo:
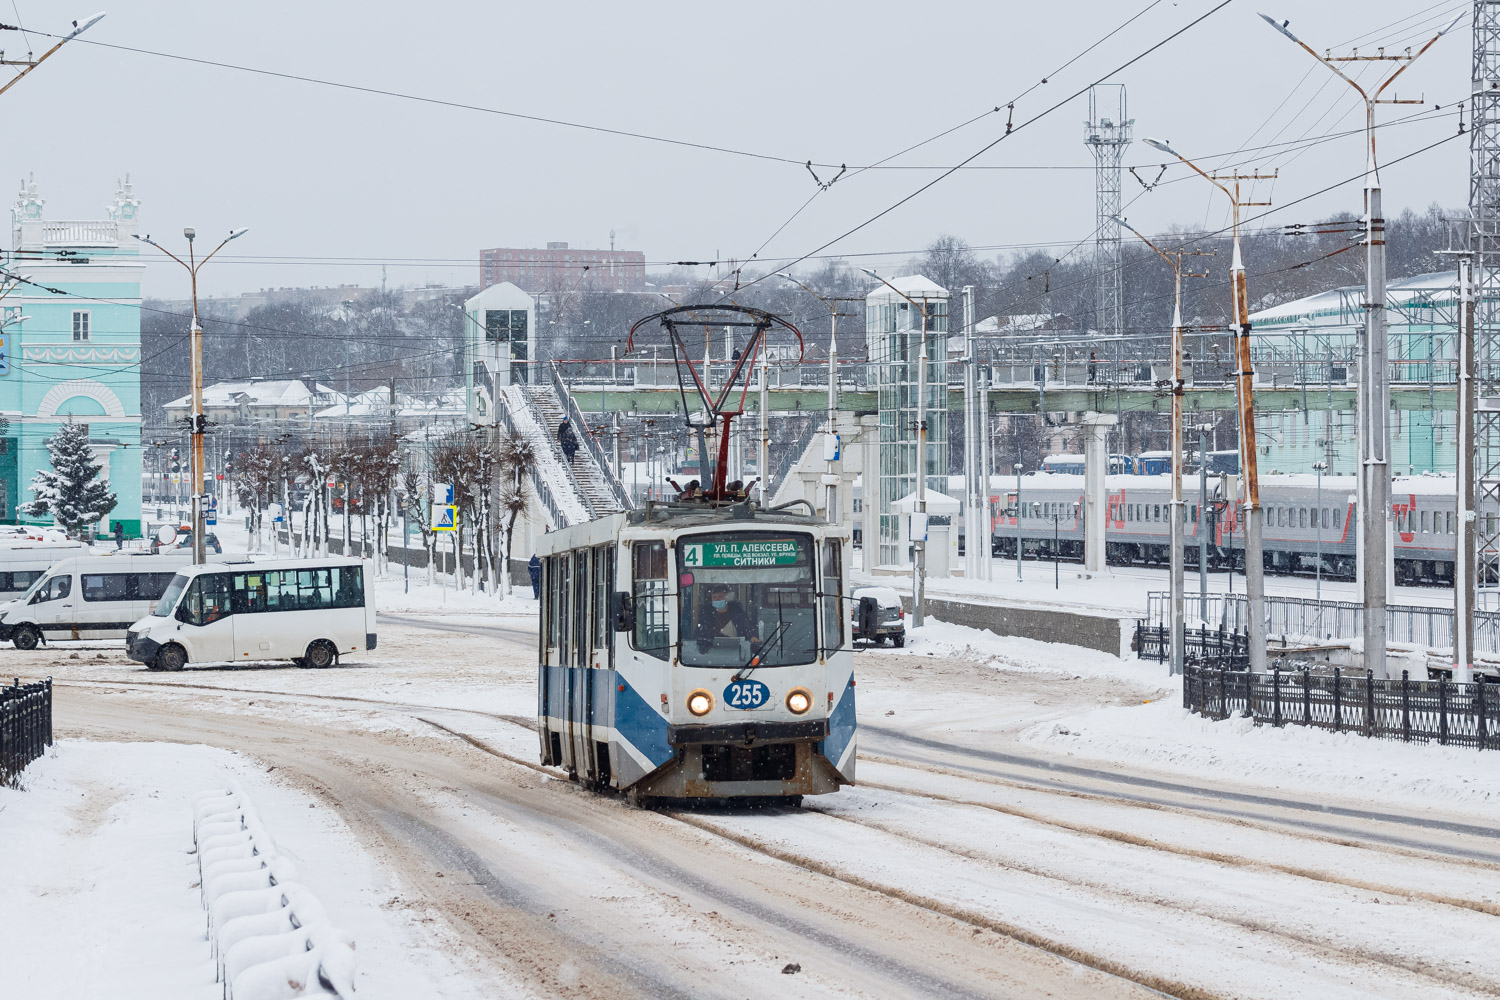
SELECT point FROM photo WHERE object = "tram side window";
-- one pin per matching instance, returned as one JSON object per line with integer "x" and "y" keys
{"x": 833, "y": 599}
{"x": 649, "y": 565}
{"x": 551, "y": 592}
{"x": 604, "y": 579}
{"x": 1338, "y": 517}
{"x": 1426, "y": 525}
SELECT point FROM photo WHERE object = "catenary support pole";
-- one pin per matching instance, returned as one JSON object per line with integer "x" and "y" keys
{"x": 919, "y": 602}
{"x": 972, "y": 481}
{"x": 1377, "y": 572}
{"x": 1465, "y": 534}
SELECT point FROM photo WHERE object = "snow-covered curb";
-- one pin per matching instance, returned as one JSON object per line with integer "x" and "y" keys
{"x": 272, "y": 938}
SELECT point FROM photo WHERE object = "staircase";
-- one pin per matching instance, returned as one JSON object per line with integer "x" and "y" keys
{"x": 588, "y": 480}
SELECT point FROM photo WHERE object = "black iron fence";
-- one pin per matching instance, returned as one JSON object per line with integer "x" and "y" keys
{"x": 25, "y": 726}
{"x": 1438, "y": 711}
{"x": 1154, "y": 642}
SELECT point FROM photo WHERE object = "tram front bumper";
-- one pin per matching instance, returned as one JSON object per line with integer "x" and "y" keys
{"x": 749, "y": 733}
{"x": 745, "y": 759}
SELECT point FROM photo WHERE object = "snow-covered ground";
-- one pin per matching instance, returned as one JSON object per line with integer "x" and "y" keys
{"x": 1026, "y": 812}
{"x": 1123, "y": 589}
{"x": 99, "y": 895}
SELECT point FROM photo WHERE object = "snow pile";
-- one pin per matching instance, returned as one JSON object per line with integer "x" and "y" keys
{"x": 1029, "y": 655}
{"x": 271, "y": 936}
{"x": 396, "y": 596}
{"x": 1163, "y": 735}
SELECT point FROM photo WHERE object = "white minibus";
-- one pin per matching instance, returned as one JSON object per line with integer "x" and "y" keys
{"x": 309, "y": 611}
{"x": 88, "y": 597}
{"x": 22, "y": 562}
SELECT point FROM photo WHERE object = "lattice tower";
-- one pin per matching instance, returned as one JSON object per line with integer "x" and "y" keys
{"x": 1484, "y": 235}
{"x": 1107, "y": 138}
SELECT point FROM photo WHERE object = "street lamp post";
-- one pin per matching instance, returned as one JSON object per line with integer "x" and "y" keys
{"x": 28, "y": 64}
{"x": 1374, "y": 384}
{"x": 1255, "y": 590}
{"x": 198, "y": 420}
{"x": 919, "y": 590}
{"x": 832, "y": 452}
{"x": 1174, "y": 259}
{"x": 1020, "y": 513}
{"x": 1319, "y": 468}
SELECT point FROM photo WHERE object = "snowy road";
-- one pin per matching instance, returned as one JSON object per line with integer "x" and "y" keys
{"x": 968, "y": 863}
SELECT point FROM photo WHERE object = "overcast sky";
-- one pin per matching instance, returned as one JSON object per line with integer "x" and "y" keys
{"x": 323, "y": 175}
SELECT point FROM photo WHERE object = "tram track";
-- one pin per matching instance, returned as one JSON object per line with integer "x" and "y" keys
{"x": 1310, "y": 945}
{"x": 583, "y": 897}
{"x": 1328, "y": 833}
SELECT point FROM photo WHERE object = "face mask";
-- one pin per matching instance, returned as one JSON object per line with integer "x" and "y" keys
{"x": 720, "y": 605}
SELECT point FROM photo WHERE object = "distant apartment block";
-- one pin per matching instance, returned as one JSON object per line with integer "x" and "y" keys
{"x": 559, "y": 269}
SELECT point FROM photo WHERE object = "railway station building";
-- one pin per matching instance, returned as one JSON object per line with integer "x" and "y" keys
{"x": 1313, "y": 344}
{"x": 71, "y": 349}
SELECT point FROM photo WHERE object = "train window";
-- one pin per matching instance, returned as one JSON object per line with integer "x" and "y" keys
{"x": 1426, "y": 525}
{"x": 1448, "y": 519}
{"x": 651, "y": 635}
{"x": 1193, "y": 514}
{"x": 833, "y": 599}
{"x": 1301, "y": 517}
{"x": 1156, "y": 512}
{"x": 1338, "y": 517}
{"x": 745, "y": 594}
{"x": 1325, "y": 517}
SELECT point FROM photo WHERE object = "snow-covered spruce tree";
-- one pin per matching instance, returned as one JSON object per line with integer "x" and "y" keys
{"x": 71, "y": 492}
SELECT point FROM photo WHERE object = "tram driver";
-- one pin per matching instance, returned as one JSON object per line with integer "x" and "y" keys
{"x": 725, "y": 618}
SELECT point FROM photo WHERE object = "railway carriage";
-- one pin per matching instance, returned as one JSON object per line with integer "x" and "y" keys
{"x": 1301, "y": 521}
{"x": 691, "y": 650}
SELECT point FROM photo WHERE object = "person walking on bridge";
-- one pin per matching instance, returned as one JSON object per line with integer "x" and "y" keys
{"x": 567, "y": 439}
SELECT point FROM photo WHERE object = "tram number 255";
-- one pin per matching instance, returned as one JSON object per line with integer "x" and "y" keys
{"x": 747, "y": 695}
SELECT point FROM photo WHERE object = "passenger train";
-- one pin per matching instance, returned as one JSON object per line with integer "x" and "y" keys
{"x": 1297, "y": 525}
{"x": 698, "y": 650}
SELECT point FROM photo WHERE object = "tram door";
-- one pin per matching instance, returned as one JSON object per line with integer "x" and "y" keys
{"x": 579, "y": 674}
{"x": 601, "y": 661}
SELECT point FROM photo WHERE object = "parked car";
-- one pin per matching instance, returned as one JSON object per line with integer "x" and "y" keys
{"x": 185, "y": 541}
{"x": 890, "y": 619}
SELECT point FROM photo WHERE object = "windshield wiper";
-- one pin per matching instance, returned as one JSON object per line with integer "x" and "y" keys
{"x": 754, "y": 662}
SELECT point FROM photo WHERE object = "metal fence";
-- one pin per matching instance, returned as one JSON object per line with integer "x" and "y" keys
{"x": 1437, "y": 711}
{"x": 25, "y": 726}
{"x": 1303, "y": 619}
{"x": 1154, "y": 642}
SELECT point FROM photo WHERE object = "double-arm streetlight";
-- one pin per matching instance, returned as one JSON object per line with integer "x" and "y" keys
{"x": 1374, "y": 385}
{"x": 1255, "y": 590}
{"x": 1174, "y": 259}
{"x": 831, "y": 450}
{"x": 919, "y": 587}
{"x": 198, "y": 420}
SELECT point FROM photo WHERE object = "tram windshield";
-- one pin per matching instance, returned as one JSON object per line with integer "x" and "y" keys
{"x": 746, "y": 594}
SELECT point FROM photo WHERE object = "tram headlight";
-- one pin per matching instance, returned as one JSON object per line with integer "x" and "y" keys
{"x": 700, "y": 702}
{"x": 798, "y": 701}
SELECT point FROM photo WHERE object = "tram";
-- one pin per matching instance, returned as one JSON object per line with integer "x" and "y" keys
{"x": 697, "y": 651}
{"x": 700, "y": 648}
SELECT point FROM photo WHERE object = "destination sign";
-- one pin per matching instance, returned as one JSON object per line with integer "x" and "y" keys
{"x": 741, "y": 554}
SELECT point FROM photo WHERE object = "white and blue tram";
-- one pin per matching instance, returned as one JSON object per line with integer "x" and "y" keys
{"x": 698, "y": 651}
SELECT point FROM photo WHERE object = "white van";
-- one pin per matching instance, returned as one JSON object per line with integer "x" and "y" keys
{"x": 88, "y": 597}
{"x": 309, "y": 611}
{"x": 23, "y": 562}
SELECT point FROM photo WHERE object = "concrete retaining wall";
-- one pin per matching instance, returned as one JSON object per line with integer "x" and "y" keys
{"x": 1075, "y": 627}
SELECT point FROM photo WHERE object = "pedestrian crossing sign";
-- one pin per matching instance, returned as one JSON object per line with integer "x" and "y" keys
{"x": 444, "y": 517}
